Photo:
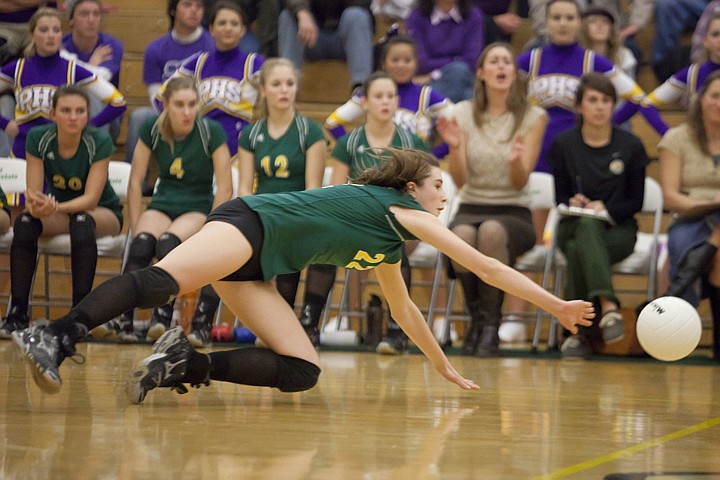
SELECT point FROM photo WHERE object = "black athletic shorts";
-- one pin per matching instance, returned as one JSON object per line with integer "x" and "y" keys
{"x": 237, "y": 213}
{"x": 172, "y": 215}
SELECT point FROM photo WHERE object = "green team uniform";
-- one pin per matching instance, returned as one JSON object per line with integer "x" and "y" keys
{"x": 280, "y": 163}
{"x": 186, "y": 171}
{"x": 348, "y": 226}
{"x": 66, "y": 177}
{"x": 353, "y": 149}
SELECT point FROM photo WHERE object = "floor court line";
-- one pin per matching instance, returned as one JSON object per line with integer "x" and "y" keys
{"x": 626, "y": 452}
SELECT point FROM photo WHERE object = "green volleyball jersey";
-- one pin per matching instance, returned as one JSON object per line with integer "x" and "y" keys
{"x": 66, "y": 177}
{"x": 186, "y": 170}
{"x": 349, "y": 226}
{"x": 3, "y": 201}
{"x": 353, "y": 149}
{"x": 280, "y": 163}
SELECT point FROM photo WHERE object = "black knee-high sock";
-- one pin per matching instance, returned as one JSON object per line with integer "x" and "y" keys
{"x": 253, "y": 366}
{"x": 318, "y": 283}
{"x": 23, "y": 260}
{"x": 83, "y": 254}
{"x": 287, "y": 285}
{"x": 144, "y": 288}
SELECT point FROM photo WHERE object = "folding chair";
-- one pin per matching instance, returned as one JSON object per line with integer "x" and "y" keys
{"x": 644, "y": 260}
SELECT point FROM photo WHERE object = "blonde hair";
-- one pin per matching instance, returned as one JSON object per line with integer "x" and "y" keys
{"x": 704, "y": 54}
{"x": 614, "y": 53}
{"x": 31, "y": 50}
{"x": 517, "y": 102}
{"x": 397, "y": 168}
{"x": 261, "y": 108}
{"x": 173, "y": 85}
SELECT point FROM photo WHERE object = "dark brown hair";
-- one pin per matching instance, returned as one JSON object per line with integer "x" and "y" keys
{"x": 398, "y": 167}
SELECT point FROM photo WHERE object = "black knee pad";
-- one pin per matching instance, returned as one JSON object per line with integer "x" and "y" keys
{"x": 154, "y": 286}
{"x": 296, "y": 374}
{"x": 165, "y": 244}
{"x": 142, "y": 249}
{"x": 82, "y": 229}
{"x": 27, "y": 230}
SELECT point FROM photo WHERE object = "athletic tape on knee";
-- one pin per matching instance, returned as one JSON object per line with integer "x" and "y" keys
{"x": 165, "y": 244}
{"x": 295, "y": 374}
{"x": 82, "y": 229}
{"x": 154, "y": 286}
{"x": 26, "y": 230}
{"x": 142, "y": 249}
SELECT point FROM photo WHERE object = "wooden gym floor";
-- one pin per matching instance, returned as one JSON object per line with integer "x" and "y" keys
{"x": 370, "y": 417}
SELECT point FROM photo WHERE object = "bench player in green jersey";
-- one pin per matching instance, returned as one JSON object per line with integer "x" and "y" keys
{"x": 189, "y": 150}
{"x": 353, "y": 153}
{"x": 282, "y": 152}
{"x": 247, "y": 241}
{"x": 72, "y": 159}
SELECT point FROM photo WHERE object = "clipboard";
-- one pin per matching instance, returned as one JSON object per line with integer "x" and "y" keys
{"x": 603, "y": 215}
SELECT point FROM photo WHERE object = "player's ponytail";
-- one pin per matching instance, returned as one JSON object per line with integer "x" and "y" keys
{"x": 398, "y": 168}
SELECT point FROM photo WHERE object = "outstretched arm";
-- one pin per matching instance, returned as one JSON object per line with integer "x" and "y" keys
{"x": 408, "y": 316}
{"x": 429, "y": 229}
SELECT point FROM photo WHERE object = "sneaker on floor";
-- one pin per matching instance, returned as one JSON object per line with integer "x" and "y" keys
{"x": 166, "y": 366}
{"x": 44, "y": 352}
{"x": 201, "y": 336}
{"x": 394, "y": 343}
{"x": 575, "y": 346}
{"x": 120, "y": 328}
{"x": 160, "y": 322}
{"x": 612, "y": 326}
{"x": 12, "y": 323}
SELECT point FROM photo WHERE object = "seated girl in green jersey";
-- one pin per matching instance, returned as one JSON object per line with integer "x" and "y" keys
{"x": 245, "y": 243}
{"x": 71, "y": 158}
{"x": 353, "y": 153}
{"x": 189, "y": 151}
{"x": 282, "y": 152}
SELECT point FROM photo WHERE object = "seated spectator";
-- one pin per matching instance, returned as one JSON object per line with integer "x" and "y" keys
{"x": 599, "y": 167}
{"x": 189, "y": 150}
{"x": 494, "y": 143}
{"x": 70, "y": 159}
{"x": 697, "y": 48}
{"x": 14, "y": 37}
{"x": 688, "y": 156}
{"x": 500, "y": 23}
{"x": 683, "y": 85}
{"x": 629, "y": 23}
{"x": 100, "y": 53}
{"x": 226, "y": 76}
{"x": 266, "y": 13}
{"x": 353, "y": 154}
{"x": 34, "y": 86}
{"x": 419, "y": 105}
{"x": 284, "y": 151}
{"x": 449, "y": 35}
{"x": 164, "y": 55}
{"x": 328, "y": 29}
{"x": 673, "y": 18}
{"x": 598, "y": 33}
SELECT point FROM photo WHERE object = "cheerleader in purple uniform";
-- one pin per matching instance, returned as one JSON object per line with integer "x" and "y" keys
{"x": 226, "y": 78}
{"x": 420, "y": 106}
{"x": 683, "y": 85}
{"x": 35, "y": 78}
{"x": 553, "y": 72}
